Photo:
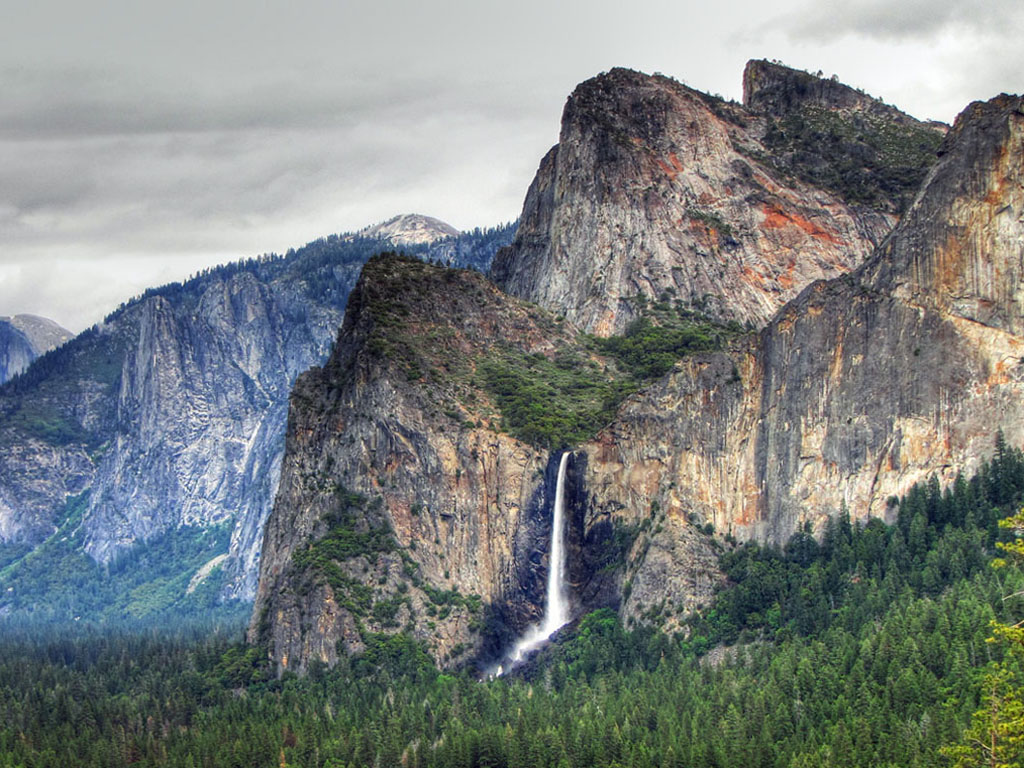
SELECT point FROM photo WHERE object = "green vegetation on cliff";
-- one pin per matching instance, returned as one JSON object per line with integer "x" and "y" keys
{"x": 348, "y": 533}
{"x": 354, "y": 531}
{"x": 560, "y": 402}
{"x": 474, "y": 349}
{"x": 553, "y": 403}
{"x": 865, "y": 158}
{"x": 564, "y": 401}
{"x": 662, "y": 333}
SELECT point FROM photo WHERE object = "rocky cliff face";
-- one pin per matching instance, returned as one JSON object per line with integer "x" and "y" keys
{"x": 171, "y": 414}
{"x": 395, "y": 416}
{"x": 23, "y": 338}
{"x": 838, "y": 138}
{"x": 862, "y": 386}
{"x": 201, "y": 408}
{"x": 658, "y": 190}
{"x": 856, "y": 389}
{"x": 404, "y": 507}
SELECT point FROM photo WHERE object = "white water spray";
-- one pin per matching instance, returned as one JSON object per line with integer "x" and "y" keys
{"x": 556, "y": 599}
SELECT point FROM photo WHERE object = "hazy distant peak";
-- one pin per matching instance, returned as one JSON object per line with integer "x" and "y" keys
{"x": 41, "y": 333}
{"x": 410, "y": 229}
{"x": 23, "y": 338}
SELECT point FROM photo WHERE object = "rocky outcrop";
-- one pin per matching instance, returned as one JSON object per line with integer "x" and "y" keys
{"x": 859, "y": 388}
{"x": 171, "y": 414}
{"x": 836, "y": 137}
{"x": 396, "y": 417}
{"x": 778, "y": 90}
{"x": 23, "y": 338}
{"x": 658, "y": 191}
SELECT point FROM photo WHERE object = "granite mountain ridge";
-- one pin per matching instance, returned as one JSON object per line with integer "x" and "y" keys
{"x": 409, "y": 504}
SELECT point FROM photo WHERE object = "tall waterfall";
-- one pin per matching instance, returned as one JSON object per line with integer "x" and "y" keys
{"x": 556, "y": 599}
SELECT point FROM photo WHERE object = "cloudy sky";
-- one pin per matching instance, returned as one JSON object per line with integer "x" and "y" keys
{"x": 140, "y": 141}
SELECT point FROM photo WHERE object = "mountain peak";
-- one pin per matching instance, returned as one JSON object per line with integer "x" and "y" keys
{"x": 41, "y": 332}
{"x": 410, "y": 229}
{"x": 775, "y": 89}
{"x": 656, "y": 190}
{"x": 23, "y": 338}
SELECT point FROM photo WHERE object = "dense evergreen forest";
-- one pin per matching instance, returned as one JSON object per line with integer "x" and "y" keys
{"x": 866, "y": 648}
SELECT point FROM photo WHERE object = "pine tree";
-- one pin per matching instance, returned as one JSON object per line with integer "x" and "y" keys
{"x": 996, "y": 736}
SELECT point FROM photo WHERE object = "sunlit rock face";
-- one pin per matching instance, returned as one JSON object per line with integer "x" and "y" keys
{"x": 859, "y": 388}
{"x": 662, "y": 192}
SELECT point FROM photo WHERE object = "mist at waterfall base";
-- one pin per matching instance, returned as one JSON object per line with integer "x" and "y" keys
{"x": 556, "y": 598}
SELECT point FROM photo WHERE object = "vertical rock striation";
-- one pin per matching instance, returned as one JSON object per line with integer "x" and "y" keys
{"x": 171, "y": 414}
{"x": 451, "y": 517}
{"x": 860, "y": 387}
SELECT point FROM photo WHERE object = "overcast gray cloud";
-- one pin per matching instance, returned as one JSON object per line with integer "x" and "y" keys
{"x": 930, "y": 57}
{"x": 141, "y": 141}
{"x": 907, "y": 19}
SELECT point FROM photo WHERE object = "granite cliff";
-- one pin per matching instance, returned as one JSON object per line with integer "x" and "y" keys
{"x": 655, "y": 190}
{"x": 170, "y": 413}
{"x": 157, "y": 435}
{"x": 401, "y": 505}
{"x": 860, "y": 387}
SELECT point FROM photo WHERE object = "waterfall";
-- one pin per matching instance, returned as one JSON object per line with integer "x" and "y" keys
{"x": 556, "y": 598}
